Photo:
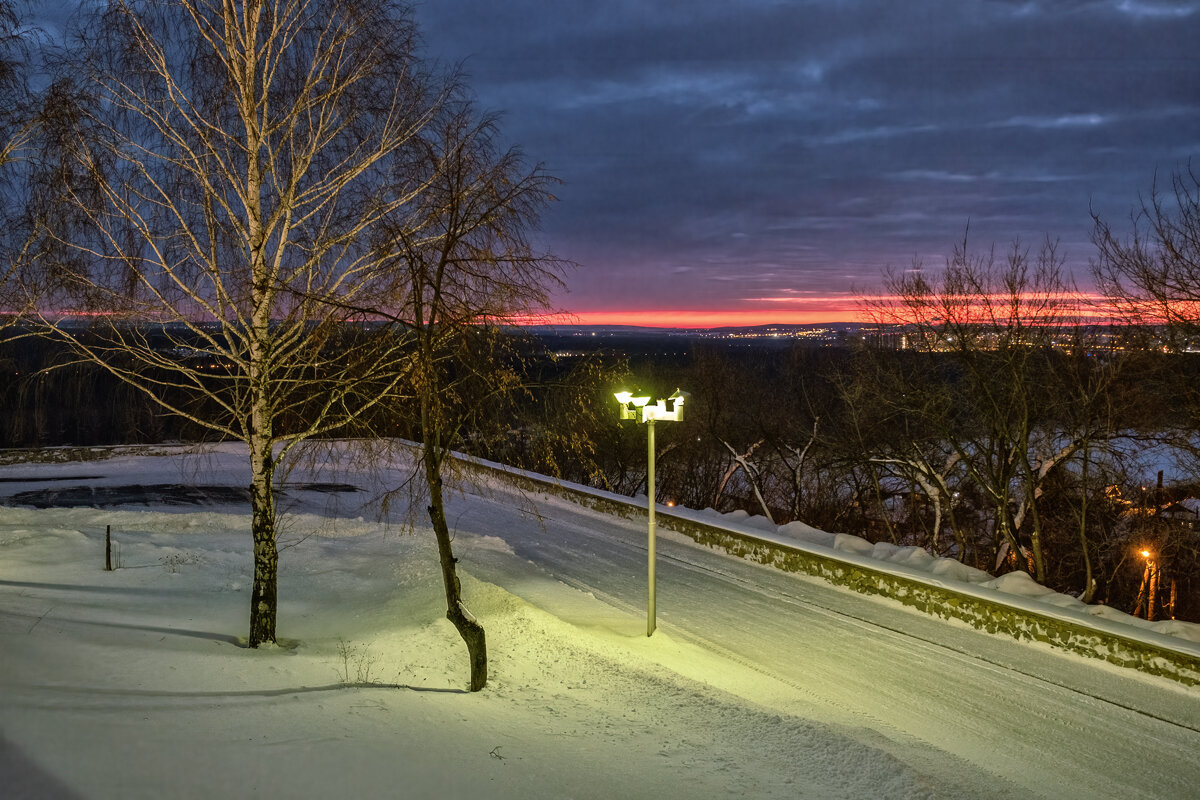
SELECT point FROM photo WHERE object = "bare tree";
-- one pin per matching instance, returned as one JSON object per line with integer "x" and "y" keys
{"x": 1151, "y": 279}
{"x": 1152, "y": 276}
{"x": 753, "y": 474}
{"x": 463, "y": 266}
{"x": 17, "y": 118}
{"x": 897, "y": 410}
{"x": 995, "y": 320}
{"x": 795, "y": 459}
{"x": 227, "y": 166}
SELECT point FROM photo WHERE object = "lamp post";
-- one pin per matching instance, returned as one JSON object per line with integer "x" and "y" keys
{"x": 640, "y": 407}
{"x": 1149, "y": 587}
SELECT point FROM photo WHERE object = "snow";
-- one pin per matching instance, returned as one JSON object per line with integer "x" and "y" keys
{"x": 1018, "y": 583}
{"x": 134, "y": 683}
{"x": 1017, "y": 590}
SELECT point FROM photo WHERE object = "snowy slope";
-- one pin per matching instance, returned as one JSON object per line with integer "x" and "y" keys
{"x": 758, "y": 683}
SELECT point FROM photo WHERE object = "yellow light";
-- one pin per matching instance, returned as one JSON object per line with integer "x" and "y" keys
{"x": 623, "y": 397}
{"x": 1146, "y": 554}
{"x": 640, "y": 401}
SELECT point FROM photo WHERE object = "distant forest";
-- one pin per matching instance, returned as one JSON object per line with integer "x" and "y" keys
{"x": 1039, "y": 456}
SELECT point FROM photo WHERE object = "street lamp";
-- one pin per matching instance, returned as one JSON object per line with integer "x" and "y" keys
{"x": 1149, "y": 587}
{"x": 640, "y": 407}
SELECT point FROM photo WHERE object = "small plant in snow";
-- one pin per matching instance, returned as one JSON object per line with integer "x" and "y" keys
{"x": 173, "y": 562}
{"x": 356, "y": 662}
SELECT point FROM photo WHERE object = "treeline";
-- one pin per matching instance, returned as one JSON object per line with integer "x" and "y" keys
{"x": 51, "y": 397}
{"x": 47, "y": 398}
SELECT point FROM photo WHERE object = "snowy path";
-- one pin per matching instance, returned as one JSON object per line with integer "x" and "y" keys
{"x": 1027, "y": 720}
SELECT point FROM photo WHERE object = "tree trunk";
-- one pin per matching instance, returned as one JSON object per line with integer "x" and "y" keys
{"x": 263, "y": 598}
{"x": 1089, "y": 582}
{"x": 1008, "y": 535}
{"x": 468, "y": 628}
{"x": 881, "y": 501}
{"x": 1035, "y": 516}
{"x": 1035, "y": 535}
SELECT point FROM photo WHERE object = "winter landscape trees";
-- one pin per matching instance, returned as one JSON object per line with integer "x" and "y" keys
{"x": 997, "y": 321}
{"x": 225, "y": 160}
{"x": 276, "y": 222}
{"x": 270, "y": 219}
{"x": 460, "y": 264}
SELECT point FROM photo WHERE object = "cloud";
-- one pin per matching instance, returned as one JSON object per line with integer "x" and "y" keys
{"x": 1061, "y": 121}
{"x": 803, "y": 146}
{"x": 1157, "y": 10}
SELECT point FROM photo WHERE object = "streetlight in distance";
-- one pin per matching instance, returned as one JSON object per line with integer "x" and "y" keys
{"x": 1149, "y": 588}
{"x": 640, "y": 408}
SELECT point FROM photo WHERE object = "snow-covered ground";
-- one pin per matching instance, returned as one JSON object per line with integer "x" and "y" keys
{"x": 133, "y": 683}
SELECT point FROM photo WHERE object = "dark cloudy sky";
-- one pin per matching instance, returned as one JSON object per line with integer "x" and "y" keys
{"x": 767, "y": 157}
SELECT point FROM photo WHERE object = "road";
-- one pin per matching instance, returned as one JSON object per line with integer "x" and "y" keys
{"x": 982, "y": 713}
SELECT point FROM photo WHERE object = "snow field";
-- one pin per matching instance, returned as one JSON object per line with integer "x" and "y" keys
{"x": 133, "y": 684}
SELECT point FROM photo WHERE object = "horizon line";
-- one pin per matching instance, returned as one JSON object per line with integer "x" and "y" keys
{"x": 684, "y": 319}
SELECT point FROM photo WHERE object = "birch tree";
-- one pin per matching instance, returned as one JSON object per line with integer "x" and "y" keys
{"x": 229, "y": 162}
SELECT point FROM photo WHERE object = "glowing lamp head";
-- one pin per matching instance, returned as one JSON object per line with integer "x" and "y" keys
{"x": 677, "y": 400}
{"x": 1146, "y": 554}
{"x": 629, "y": 404}
{"x": 640, "y": 406}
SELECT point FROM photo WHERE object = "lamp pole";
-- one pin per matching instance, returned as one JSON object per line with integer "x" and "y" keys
{"x": 651, "y": 614}
{"x": 639, "y": 407}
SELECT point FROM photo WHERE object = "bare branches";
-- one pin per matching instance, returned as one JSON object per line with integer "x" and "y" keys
{"x": 1152, "y": 276}
{"x": 19, "y": 125}
{"x": 214, "y": 180}
{"x": 997, "y": 325}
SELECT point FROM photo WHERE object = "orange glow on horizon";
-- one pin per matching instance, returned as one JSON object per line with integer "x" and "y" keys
{"x": 844, "y": 311}
{"x": 815, "y": 311}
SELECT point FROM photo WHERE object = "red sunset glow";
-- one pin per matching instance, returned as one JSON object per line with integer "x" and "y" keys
{"x": 811, "y": 311}
{"x": 686, "y": 318}
{"x": 807, "y": 312}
